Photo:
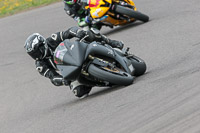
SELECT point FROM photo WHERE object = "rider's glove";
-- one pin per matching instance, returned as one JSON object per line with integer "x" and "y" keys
{"x": 80, "y": 34}
{"x": 117, "y": 44}
{"x": 87, "y": 35}
{"x": 41, "y": 67}
{"x": 57, "y": 80}
{"x": 88, "y": 20}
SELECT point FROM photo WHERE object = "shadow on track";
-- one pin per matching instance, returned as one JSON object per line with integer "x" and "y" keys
{"x": 91, "y": 96}
{"x": 121, "y": 28}
{"x": 102, "y": 91}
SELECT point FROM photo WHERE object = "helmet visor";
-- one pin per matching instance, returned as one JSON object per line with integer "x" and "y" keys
{"x": 36, "y": 54}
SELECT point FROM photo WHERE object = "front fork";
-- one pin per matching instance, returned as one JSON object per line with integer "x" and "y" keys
{"x": 125, "y": 3}
{"x": 96, "y": 61}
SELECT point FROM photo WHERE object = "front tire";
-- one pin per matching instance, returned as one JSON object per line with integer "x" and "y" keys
{"x": 111, "y": 77}
{"x": 139, "y": 65}
{"x": 131, "y": 13}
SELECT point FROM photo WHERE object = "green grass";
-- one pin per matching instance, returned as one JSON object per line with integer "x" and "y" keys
{"x": 10, "y": 7}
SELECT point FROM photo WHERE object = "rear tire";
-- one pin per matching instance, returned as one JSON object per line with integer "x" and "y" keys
{"x": 111, "y": 77}
{"x": 139, "y": 65}
{"x": 131, "y": 13}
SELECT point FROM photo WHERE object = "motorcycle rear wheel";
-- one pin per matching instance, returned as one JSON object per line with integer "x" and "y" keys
{"x": 110, "y": 76}
{"x": 131, "y": 13}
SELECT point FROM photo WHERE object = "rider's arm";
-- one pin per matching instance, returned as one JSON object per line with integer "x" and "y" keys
{"x": 94, "y": 35}
{"x": 90, "y": 36}
{"x": 59, "y": 37}
{"x": 70, "y": 10}
{"x": 43, "y": 68}
{"x": 112, "y": 43}
{"x": 76, "y": 11}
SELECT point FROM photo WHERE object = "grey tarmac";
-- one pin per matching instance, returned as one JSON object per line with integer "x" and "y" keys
{"x": 164, "y": 100}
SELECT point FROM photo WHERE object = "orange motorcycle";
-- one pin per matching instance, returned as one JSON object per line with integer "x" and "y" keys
{"x": 114, "y": 12}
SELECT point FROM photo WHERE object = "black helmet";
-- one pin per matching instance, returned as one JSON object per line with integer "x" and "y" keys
{"x": 36, "y": 46}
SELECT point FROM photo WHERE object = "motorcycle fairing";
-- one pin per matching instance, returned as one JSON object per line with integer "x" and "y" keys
{"x": 130, "y": 2}
{"x": 69, "y": 72}
{"x": 70, "y": 53}
{"x": 98, "y": 8}
{"x": 124, "y": 62}
{"x": 95, "y": 49}
{"x": 69, "y": 57}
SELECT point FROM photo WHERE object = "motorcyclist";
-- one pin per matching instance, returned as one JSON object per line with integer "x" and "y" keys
{"x": 75, "y": 9}
{"x": 41, "y": 50}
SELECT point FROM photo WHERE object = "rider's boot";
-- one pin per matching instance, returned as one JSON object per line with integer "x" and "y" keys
{"x": 80, "y": 90}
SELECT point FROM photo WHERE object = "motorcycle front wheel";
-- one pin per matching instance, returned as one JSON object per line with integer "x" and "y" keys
{"x": 131, "y": 13}
{"x": 116, "y": 77}
{"x": 139, "y": 65}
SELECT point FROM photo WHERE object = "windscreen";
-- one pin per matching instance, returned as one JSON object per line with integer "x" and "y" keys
{"x": 59, "y": 53}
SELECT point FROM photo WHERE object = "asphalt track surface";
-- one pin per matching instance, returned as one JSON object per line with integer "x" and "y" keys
{"x": 164, "y": 100}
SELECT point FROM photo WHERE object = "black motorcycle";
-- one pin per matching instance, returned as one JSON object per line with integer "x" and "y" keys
{"x": 93, "y": 64}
